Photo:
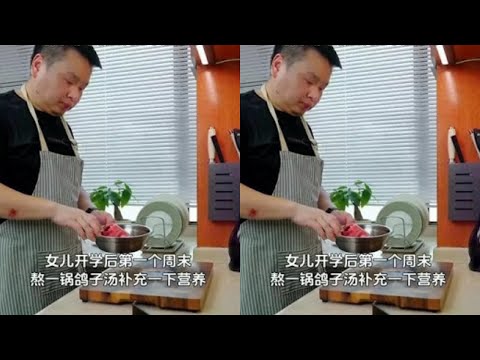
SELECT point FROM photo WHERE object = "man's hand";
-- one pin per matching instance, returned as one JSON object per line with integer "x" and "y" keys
{"x": 103, "y": 217}
{"x": 343, "y": 217}
{"x": 326, "y": 225}
{"x": 85, "y": 225}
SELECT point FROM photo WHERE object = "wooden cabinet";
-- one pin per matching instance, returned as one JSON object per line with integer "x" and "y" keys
{"x": 457, "y": 54}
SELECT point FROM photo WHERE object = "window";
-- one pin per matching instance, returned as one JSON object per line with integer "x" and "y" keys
{"x": 136, "y": 121}
{"x": 14, "y": 66}
{"x": 376, "y": 121}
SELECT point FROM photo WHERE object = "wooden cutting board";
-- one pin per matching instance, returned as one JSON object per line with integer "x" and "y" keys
{"x": 149, "y": 283}
{"x": 422, "y": 292}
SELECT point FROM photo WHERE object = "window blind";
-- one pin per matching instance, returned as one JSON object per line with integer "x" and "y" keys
{"x": 136, "y": 121}
{"x": 254, "y": 65}
{"x": 376, "y": 121}
{"x": 14, "y": 66}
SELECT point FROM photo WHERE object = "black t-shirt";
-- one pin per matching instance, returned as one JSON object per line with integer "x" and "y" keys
{"x": 260, "y": 163}
{"x": 20, "y": 143}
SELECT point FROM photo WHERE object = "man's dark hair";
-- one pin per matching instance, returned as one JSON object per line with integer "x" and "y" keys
{"x": 293, "y": 53}
{"x": 53, "y": 53}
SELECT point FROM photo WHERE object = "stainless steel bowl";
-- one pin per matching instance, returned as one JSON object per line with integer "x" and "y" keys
{"x": 379, "y": 235}
{"x": 139, "y": 235}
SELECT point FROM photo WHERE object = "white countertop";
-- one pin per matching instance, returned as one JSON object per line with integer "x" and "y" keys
{"x": 223, "y": 295}
{"x": 463, "y": 295}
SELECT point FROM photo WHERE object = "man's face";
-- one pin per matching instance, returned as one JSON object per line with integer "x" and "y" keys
{"x": 300, "y": 86}
{"x": 60, "y": 85}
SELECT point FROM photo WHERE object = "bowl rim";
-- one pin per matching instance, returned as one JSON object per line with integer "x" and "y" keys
{"x": 366, "y": 238}
{"x": 147, "y": 233}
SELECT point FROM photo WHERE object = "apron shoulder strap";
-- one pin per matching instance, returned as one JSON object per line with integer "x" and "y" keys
{"x": 70, "y": 136}
{"x": 310, "y": 137}
{"x": 283, "y": 142}
{"x": 43, "y": 142}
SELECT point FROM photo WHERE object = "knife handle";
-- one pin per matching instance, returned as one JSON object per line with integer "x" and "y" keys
{"x": 475, "y": 134}
{"x": 211, "y": 146}
{"x": 218, "y": 149}
{"x": 458, "y": 149}
{"x": 235, "y": 135}
{"x": 451, "y": 146}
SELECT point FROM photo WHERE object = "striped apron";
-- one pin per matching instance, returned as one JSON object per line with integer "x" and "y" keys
{"x": 35, "y": 255}
{"x": 275, "y": 255}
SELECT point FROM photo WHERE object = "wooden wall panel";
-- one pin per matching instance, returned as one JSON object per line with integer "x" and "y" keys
{"x": 458, "y": 106}
{"x": 218, "y": 106}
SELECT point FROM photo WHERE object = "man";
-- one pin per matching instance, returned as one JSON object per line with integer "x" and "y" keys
{"x": 284, "y": 209}
{"x": 43, "y": 207}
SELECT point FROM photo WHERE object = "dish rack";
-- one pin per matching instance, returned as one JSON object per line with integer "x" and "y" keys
{"x": 157, "y": 242}
{"x": 405, "y": 246}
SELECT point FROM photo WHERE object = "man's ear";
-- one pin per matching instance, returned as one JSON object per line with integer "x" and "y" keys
{"x": 37, "y": 63}
{"x": 277, "y": 63}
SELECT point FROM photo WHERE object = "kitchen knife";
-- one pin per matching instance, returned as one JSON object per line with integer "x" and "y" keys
{"x": 458, "y": 149}
{"x": 475, "y": 134}
{"x": 218, "y": 149}
{"x": 451, "y": 146}
{"x": 235, "y": 135}
{"x": 211, "y": 146}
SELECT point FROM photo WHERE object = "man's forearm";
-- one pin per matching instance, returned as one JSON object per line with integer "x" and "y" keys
{"x": 257, "y": 206}
{"x": 84, "y": 201}
{"x": 324, "y": 201}
{"x": 17, "y": 206}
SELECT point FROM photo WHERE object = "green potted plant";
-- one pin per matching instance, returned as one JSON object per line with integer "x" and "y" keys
{"x": 358, "y": 195}
{"x": 119, "y": 196}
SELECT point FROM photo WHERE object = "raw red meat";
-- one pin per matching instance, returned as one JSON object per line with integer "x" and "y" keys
{"x": 354, "y": 230}
{"x": 114, "y": 230}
